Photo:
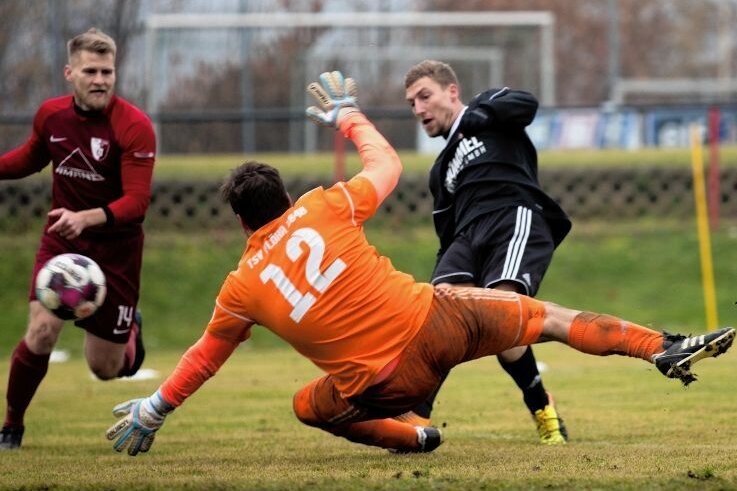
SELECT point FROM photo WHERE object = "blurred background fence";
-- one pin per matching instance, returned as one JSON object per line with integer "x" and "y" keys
{"x": 585, "y": 193}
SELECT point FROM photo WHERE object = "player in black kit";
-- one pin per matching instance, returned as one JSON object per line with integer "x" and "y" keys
{"x": 497, "y": 227}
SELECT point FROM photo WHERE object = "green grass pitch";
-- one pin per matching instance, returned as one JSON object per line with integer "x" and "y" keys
{"x": 630, "y": 428}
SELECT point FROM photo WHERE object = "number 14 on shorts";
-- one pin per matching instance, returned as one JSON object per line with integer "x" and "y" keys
{"x": 125, "y": 317}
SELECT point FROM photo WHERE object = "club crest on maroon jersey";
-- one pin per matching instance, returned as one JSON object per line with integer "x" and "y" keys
{"x": 99, "y": 148}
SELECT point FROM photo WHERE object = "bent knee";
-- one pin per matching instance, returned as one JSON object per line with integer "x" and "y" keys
{"x": 302, "y": 405}
{"x": 41, "y": 340}
{"x": 43, "y": 329}
{"x": 105, "y": 370}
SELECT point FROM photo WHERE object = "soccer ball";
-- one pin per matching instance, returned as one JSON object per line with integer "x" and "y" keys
{"x": 71, "y": 286}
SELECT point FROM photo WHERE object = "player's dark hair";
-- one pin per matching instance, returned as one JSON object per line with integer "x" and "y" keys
{"x": 440, "y": 72}
{"x": 94, "y": 40}
{"x": 256, "y": 193}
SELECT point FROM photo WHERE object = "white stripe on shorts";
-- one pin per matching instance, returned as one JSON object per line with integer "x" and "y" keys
{"x": 516, "y": 248}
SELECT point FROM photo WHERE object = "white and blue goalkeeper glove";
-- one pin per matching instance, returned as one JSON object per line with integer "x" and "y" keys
{"x": 141, "y": 418}
{"x": 333, "y": 93}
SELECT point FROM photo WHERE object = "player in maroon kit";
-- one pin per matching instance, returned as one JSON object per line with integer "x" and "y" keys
{"x": 102, "y": 151}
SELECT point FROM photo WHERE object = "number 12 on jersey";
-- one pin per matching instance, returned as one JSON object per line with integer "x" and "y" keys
{"x": 319, "y": 280}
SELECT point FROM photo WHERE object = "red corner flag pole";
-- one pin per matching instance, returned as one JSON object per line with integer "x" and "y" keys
{"x": 715, "y": 194}
{"x": 339, "y": 148}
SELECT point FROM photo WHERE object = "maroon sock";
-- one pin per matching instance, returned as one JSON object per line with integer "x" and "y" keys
{"x": 27, "y": 370}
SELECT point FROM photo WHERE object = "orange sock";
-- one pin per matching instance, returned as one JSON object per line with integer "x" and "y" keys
{"x": 603, "y": 335}
{"x": 385, "y": 433}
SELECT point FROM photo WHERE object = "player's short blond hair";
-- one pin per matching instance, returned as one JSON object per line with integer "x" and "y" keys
{"x": 94, "y": 40}
{"x": 440, "y": 72}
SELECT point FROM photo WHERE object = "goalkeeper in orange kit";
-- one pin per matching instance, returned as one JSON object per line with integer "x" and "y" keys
{"x": 384, "y": 340}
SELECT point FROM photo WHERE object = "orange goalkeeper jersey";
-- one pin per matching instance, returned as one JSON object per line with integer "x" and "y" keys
{"x": 311, "y": 277}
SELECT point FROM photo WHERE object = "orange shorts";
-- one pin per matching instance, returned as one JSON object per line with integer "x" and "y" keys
{"x": 463, "y": 324}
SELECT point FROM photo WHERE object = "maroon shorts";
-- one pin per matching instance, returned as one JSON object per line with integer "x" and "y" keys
{"x": 119, "y": 258}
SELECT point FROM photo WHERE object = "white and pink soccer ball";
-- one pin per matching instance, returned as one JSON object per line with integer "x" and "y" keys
{"x": 71, "y": 286}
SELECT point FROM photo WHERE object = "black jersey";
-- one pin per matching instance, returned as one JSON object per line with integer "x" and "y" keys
{"x": 495, "y": 167}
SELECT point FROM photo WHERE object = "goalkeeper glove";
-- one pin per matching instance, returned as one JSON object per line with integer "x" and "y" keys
{"x": 333, "y": 93}
{"x": 141, "y": 418}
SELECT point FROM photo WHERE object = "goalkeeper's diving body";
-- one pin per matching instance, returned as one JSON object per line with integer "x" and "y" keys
{"x": 384, "y": 340}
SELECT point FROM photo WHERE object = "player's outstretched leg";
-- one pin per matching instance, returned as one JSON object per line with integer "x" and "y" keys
{"x": 683, "y": 351}
{"x": 602, "y": 335}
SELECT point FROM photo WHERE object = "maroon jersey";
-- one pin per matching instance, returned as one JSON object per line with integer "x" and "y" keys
{"x": 100, "y": 159}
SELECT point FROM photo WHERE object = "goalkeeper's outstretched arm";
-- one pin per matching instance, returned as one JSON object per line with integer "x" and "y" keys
{"x": 336, "y": 97}
{"x": 381, "y": 164}
{"x": 201, "y": 361}
{"x": 142, "y": 418}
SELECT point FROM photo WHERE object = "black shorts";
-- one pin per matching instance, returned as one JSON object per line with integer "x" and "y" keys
{"x": 507, "y": 245}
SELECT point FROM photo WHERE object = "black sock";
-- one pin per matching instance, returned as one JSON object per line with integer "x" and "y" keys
{"x": 525, "y": 374}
